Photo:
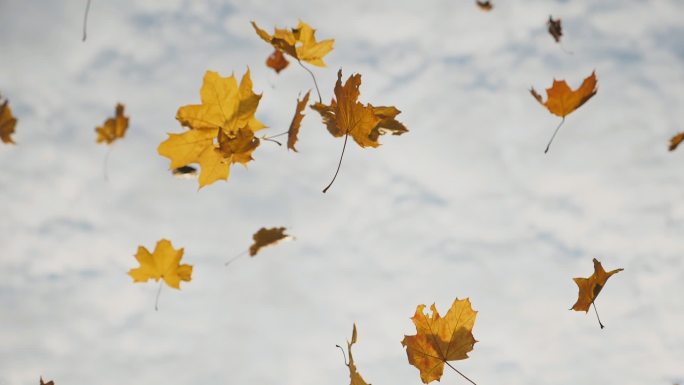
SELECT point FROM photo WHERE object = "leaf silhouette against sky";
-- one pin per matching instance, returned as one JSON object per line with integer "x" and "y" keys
{"x": 277, "y": 61}
{"x": 221, "y": 128}
{"x": 113, "y": 128}
{"x": 267, "y": 237}
{"x": 299, "y": 42}
{"x": 296, "y": 123}
{"x": 561, "y": 100}
{"x": 440, "y": 339}
{"x": 589, "y": 288}
{"x": 346, "y": 116}
{"x": 555, "y": 29}
{"x": 8, "y": 122}
{"x": 354, "y": 376}
{"x": 484, "y": 5}
{"x": 676, "y": 140}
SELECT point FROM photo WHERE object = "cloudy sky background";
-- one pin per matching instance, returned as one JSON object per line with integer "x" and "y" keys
{"x": 464, "y": 205}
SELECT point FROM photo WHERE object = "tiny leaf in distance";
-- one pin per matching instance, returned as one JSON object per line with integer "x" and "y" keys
{"x": 277, "y": 61}
{"x": 484, "y": 5}
{"x": 555, "y": 28}
{"x": 46, "y": 383}
{"x": 8, "y": 122}
{"x": 113, "y": 128}
{"x": 440, "y": 339}
{"x": 267, "y": 237}
{"x": 561, "y": 100}
{"x": 589, "y": 288}
{"x": 676, "y": 140}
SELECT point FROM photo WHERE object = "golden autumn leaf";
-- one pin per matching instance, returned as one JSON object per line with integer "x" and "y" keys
{"x": 163, "y": 263}
{"x": 484, "y": 5}
{"x": 347, "y": 116}
{"x": 8, "y": 122}
{"x": 589, "y": 288}
{"x": 277, "y": 61}
{"x": 561, "y": 100}
{"x": 300, "y": 43}
{"x": 555, "y": 28}
{"x": 296, "y": 122}
{"x": 46, "y": 383}
{"x": 113, "y": 128}
{"x": 676, "y": 140}
{"x": 440, "y": 339}
{"x": 221, "y": 128}
{"x": 354, "y": 376}
{"x": 267, "y": 237}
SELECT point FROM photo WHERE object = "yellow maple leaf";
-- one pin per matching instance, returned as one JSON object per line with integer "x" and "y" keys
{"x": 440, "y": 339}
{"x": 7, "y": 123}
{"x": 113, "y": 128}
{"x": 221, "y": 128}
{"x": 163, "y": 263}
{"x": 589, "y": 288}
{"x": 300, "y": 43}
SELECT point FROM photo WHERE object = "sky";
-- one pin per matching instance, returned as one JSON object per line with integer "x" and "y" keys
{"x": 465, "y": 205}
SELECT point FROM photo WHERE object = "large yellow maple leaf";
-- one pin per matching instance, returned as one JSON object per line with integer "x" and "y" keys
{"x": 113, "y": 128}
{"x": 300, "y": 43}
{"x": 440, "y": 339}
{"x": 7, "y": 123}
{"x": 347, "y": 116}
{"x": 163, "y": 263}
{"x": 221, "y": 128}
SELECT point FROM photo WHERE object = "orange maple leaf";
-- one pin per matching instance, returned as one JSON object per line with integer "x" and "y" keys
{"x": 676, "y": 140}
{"x": 296, "y": 122}
{"x": 440, "y": 339}
{"x": 7, "y": 122}
{"x": 561, "y": 100}
{"x": 277, "y": 61}
{"x": 113, "y": 128}
{"x": 589, "y": 288}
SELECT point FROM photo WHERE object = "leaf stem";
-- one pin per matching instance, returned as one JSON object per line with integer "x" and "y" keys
{"x": 85, "y": 20}
{"x": 344, "y": 356}
{"x": 597, "y": 316}
{"x": 462, "y": 375}
{"x": 270, "y": 139}
{"x": 320, "y": 100}
{"x": 346, "y": 136}
{"x": 236, "y": 257}
{"x": 156, "y": 301}
{"x": 554, "y": 135}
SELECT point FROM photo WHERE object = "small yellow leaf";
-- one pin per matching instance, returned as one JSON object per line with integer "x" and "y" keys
{"x": 300, "y": 43}
{"x": 113, "y": 128}
{"x": 7, "y": 123}
{"x": 163, "y": 263}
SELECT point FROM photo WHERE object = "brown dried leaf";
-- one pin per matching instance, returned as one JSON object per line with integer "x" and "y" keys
{"x": 555, "y": 28}
{"x": 277, "y": 61}
{"x": 267, "y": 237}
{"x": 296, "y": 122}
{"x": 484, "y": 5}
{"x": 676, "y": 140}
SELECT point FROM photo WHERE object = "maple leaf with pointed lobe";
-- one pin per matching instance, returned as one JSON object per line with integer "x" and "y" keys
{"x": 676, "y": 140}
{"x": 345, "y": 115}
{"x": 296, "y": 122}
{"x": 113, "y": 128}
{"x": 277, "y": 61}
{"x": 8, "y": 122}
{"x": 300, "y": 43}
{"x": 267, "y": 237}
{"x": 555, "y": 28}
{"x": 163, "y": 263}
{"x": 221, "y": 128}
{"x": 589, "y": 288}
{"x": 354, "y": 376}
{"x": 440, "y": 339}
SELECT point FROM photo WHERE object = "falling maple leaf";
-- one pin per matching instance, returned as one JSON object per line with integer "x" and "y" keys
{"x": 589, "y": 288}
{"x": 676, "y": 140}
{"x": 267, "y": 237}
{"x": 354, "y": 376}
{"x": 296, "y": 122}
{"x": 163, "y": 263}
{"x": 484, "y": 5}
{"x": 440, "y": 339}
{"x": 277, "y": 61}
{"x": 555, "y": 29}
{"x": 300, "y": 43}
{"x": 561, "y": 100}
{"x": 221, "y": 128}
{"x": 113, "y": 128}
{"x": 7, "y": 122}
{"x": 46, "y": 383}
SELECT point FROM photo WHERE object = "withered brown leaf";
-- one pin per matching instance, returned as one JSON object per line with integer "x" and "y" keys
{"x": 296, "y": 122}
{"x": 555, "y": 28}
